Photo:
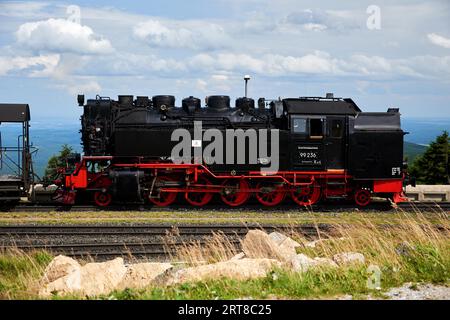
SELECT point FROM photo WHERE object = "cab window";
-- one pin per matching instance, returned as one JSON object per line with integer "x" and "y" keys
{"x": 299, "y": 125}
{"x": 316, "y": 128}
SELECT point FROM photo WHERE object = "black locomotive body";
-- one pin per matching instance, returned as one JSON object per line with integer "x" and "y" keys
{"x": 317, "y": 149}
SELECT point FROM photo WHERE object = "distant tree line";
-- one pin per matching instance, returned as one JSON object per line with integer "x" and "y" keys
{"x": 432, "y": 167}
{"x": 55, "y": 162}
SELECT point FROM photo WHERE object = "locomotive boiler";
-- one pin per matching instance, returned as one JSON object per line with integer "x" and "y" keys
{"x": 306, "y": 149}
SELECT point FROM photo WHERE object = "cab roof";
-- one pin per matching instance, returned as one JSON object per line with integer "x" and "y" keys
{"x": 319, "y": 106}
{"x": 14, "y": 112}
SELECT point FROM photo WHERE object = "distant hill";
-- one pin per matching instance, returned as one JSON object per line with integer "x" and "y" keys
{"x": 412, "y": 150}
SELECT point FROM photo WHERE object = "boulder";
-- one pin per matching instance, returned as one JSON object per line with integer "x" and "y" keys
{"x": 69, "y": 284}
{"x": 303, "y": 263}
{"x": 242, "y": 269}
{"x": 284, "y": 241}
{"x": 258, "y": 244}
{"x": 277, "y": 237}
{"x": 59, "y": 267}
{"x": 324, "y": 262}
{"x": 91, "y": 279}
{"x": 348, "y": 258}
{"x": 141, "y": 275}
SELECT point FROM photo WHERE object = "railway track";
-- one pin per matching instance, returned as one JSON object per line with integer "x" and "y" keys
{"x": 329, "y": 207}
{"x": 152, "y": 241}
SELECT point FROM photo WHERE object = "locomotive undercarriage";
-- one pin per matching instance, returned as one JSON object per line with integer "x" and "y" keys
{"x": 163, "y": 184}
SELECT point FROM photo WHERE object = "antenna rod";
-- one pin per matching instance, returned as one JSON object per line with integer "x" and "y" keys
{"x": 246, "y": 78}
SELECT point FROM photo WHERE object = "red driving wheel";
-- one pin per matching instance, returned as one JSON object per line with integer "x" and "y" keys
{"x": 235, "y": 192}
{"x": 362, "y": 197}
{"x": 102, "y": 199}
{"x": 162, "y": 198}
{"x": 270, "y": 194}
{"x": 200, "y": 198}
{"x": 306, "y": 195}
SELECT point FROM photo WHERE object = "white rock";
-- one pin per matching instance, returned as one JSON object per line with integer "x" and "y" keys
{"x": 91, "y": 279}
{"x": 258, "y": 244}
{"x": 348, "y": 258}
{"x": 301, "y": 263}
{"x": 242, "y": 269}
{"x": 68, "y": 284}
{"x": 141, "y": 275}
{"x": 284, "y": 241}
{"x": 311, "y": 244}
{"x": 324, "y": 262}
{"x": 59, "y": 267}
{"x": 277, "y": 237}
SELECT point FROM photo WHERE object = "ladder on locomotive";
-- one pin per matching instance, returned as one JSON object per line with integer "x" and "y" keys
{"x": 16, "y": 167}
{"x": 337, "y": 186}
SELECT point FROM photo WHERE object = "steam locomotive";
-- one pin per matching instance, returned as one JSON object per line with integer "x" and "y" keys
{"x": 308, "y": 149}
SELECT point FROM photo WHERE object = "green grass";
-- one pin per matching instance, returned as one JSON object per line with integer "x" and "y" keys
{"x": 427, "y": 261}
{"x": 19, "y": 272}
{"x": 425, "y": 266}
{"x": 411, "y": 251}
{"x": 315, "y": 284}
{"x": 196, "y": 217}
{"x": 279, "y": 284}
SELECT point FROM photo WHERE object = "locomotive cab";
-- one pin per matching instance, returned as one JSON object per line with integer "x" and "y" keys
{"x": 318, "y": 132}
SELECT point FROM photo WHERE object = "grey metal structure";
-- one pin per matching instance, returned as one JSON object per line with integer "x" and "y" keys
{"x": 16, "y": 158}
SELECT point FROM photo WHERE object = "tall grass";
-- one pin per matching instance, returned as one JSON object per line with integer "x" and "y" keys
{"x": 407, "y": 247}
{"x": 415, "y": 249}
{"x": 218, "y": 247}
{"x": 20, "y": 273}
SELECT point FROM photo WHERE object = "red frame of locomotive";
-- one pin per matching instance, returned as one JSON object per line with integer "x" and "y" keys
{"x": 304, "y": 187}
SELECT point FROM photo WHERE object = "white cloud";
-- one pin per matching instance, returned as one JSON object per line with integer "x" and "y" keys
{"x": 214, "y": 83}
{"x": 181, "y": 34}
{"x": 439, "y": 40}
{"x": 320, "y": 20}
{"x": 322, "y": 64}
{"x": 39, "y": 66}
{"x": 202, "y": 85}
{"x": 268, "y": 64}
{"x": 368, "y": 65}
{"x": 314, "y": 27}
{"x": 59, "y": 35}
{"x": 129, "y": 63}
{"x": 22, "y": 9}
{"x": 82, "y": 86}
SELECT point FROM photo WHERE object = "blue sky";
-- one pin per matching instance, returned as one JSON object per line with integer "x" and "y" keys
{"x": 49, "y": 53}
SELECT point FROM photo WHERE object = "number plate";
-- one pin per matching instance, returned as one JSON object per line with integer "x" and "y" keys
{"x": 309, "y": 155}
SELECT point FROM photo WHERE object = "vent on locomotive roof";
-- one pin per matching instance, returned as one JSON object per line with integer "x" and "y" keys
{"x": 163, "y": 102}
{"x": 245, "y": 103}
{"x": 329, "y": 95}
{"x": 142, "y": 101}
{"x": 125, "y": 100}
{"x": 191, "y": 104}
{"x": 218, "y": 102}
{"x": 262, "y": 104}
